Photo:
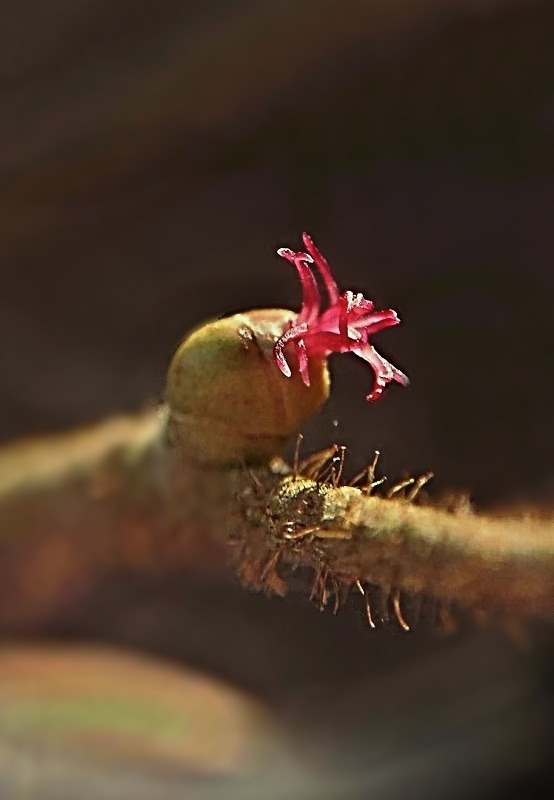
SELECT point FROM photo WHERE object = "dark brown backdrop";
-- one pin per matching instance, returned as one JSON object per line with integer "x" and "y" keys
{"x": 154, "y": 155}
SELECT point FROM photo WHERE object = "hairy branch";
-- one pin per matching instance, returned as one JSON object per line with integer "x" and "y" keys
{"x": 122, "y": 497}
{"x": 349, "y": 537}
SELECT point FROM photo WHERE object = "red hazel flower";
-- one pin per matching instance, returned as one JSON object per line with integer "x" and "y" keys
{"x": 344, "y": 327}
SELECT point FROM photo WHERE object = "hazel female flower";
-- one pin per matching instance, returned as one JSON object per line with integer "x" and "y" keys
{"x": 344, "y": 327}
{"x": 227, "y": 402}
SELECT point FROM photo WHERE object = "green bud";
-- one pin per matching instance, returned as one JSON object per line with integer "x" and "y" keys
{"x": 228, "y": 401}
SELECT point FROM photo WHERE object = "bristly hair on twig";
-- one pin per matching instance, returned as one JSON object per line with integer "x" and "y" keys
{"x": 407, "y": 560}
{"x": 296, "y": 536}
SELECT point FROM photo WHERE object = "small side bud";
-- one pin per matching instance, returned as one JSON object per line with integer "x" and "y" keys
{"x": 228, "y": 400}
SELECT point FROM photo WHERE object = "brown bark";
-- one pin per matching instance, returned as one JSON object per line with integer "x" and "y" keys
{"x": 121, "y": 498}
{"x": 79, "y": 507}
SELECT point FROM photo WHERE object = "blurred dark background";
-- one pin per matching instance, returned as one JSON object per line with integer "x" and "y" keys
{"x": 152, "y": 158}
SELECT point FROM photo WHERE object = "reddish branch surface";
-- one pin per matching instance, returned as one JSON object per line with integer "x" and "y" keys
{"x": 76, "y": 508}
